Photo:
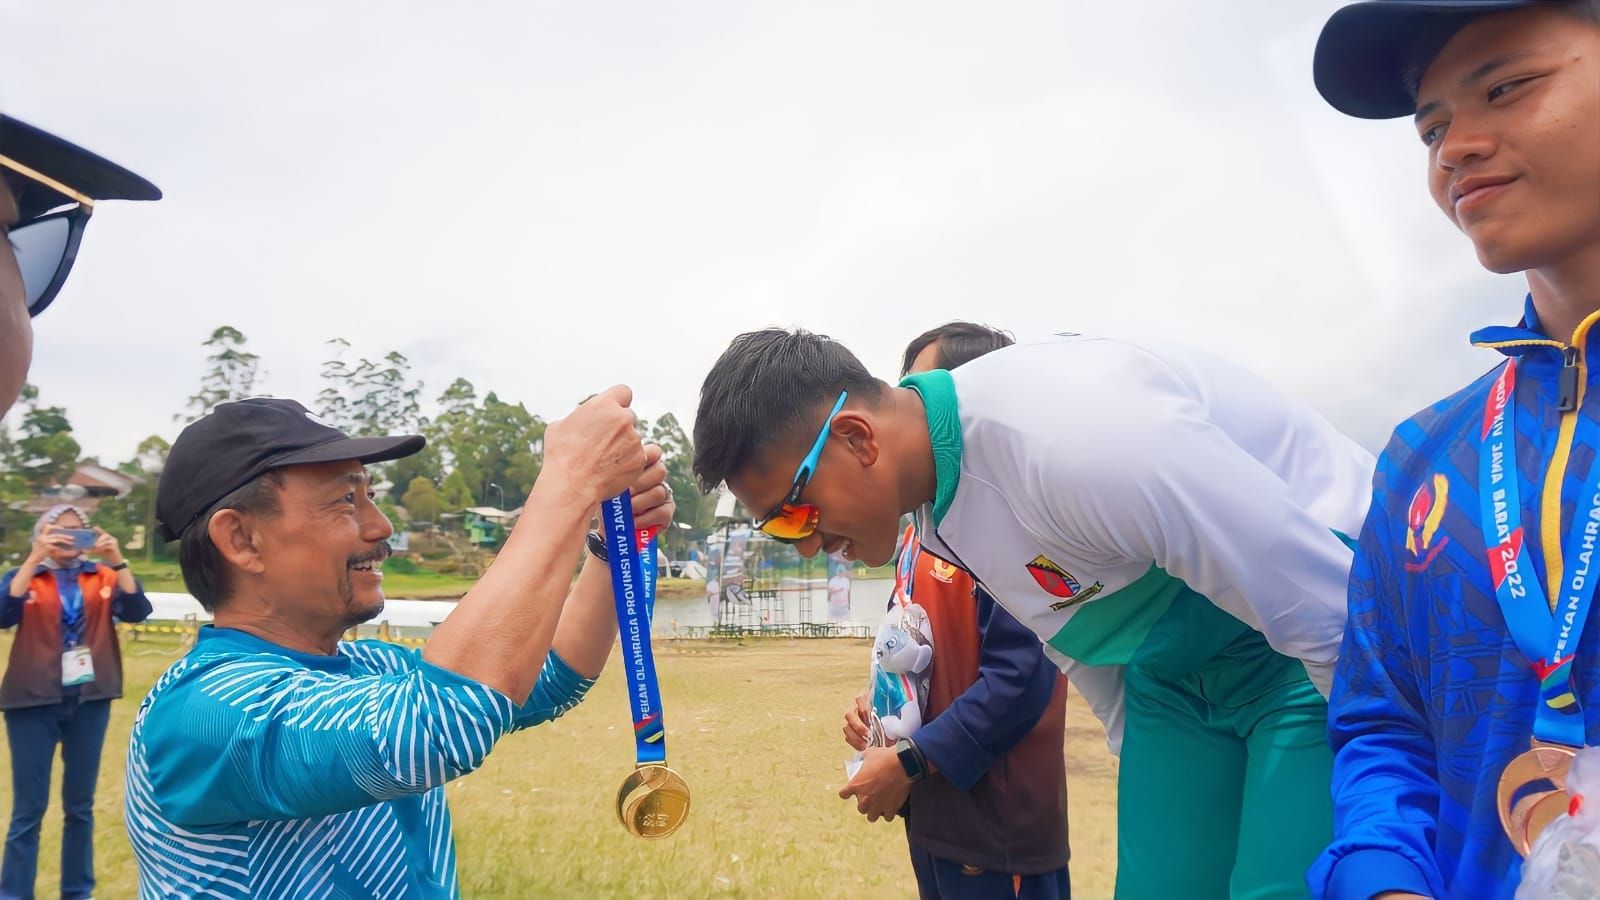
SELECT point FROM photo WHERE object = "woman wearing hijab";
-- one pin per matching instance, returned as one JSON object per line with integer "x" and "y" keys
{"x": 65, "y": 669}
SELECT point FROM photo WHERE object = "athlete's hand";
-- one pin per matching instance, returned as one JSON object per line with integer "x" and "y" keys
{"x": 855, "y": 722}
{"x": 1399, "y": 895}
{"x": 880, "y": 787}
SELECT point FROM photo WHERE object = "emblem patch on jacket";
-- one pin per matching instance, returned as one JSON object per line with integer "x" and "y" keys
{"x": 1422, "y": 523}
{"x": 1058, "y": 582}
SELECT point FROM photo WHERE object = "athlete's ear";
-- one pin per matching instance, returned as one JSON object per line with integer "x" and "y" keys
{"x": 854, "y": 431}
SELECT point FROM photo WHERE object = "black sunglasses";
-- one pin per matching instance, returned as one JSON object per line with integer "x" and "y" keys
{"x": 46, "y": 246}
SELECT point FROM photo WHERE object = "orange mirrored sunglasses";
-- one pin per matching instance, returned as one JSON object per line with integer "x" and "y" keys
{"x": 793, "y": 521}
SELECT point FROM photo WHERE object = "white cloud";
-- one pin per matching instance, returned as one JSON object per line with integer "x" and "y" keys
{"x": 504, "y": 191}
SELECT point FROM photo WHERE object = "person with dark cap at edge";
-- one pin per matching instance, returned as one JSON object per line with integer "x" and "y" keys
{"x": 48, "y": 190}
{"x": 1468, "y": 638}
{"x": 986, "y": 813}
{"x": 277, "y": 760}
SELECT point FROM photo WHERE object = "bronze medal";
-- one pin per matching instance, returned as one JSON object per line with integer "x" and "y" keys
{"x": 1524, "y": 814}
{"x": 653, "y": 801}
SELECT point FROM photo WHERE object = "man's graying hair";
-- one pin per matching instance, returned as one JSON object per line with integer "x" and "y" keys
{"x": 770, "y": 387}
{"x": 205, "y": 572}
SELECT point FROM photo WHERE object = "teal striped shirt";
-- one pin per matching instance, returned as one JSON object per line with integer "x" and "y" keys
{"x": 258, "y": 771}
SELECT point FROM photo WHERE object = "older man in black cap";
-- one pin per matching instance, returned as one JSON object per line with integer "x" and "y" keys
{"x": 275, "y": 760}
{"x": 48, "y": 189}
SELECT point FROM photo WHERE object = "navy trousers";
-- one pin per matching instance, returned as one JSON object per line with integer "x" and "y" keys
{"x": 79, "y": 727}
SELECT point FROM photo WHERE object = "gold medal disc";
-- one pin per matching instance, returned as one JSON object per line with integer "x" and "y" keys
{"x": 653, "y": 801}
{"x": 1524, "y": 817}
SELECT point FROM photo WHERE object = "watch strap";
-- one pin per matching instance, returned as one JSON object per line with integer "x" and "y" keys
{"x": 911, "y": 760}
{"x": 596, "y": 545}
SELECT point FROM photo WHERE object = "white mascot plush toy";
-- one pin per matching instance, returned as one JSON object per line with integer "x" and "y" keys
{"x": 902, "y": 658}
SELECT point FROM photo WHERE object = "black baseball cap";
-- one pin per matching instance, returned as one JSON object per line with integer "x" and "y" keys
{"x": 238, "y": 442}
{"x": 1369, "y": 51}
{"x": 65, "y": 162}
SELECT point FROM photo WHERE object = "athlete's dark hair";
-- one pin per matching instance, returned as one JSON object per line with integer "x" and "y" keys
{"x": 768, "y": 387}
{"x": 957, "y": 343}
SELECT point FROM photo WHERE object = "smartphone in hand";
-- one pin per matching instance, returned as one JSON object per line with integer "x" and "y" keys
{"x": 82, "y": 538}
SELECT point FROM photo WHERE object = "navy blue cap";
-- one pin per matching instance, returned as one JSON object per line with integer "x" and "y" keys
{"x": 90, "y": 174}
{"x": 1369, "y": 51}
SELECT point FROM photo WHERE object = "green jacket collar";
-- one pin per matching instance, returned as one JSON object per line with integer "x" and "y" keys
{"x": 938, "y": 392}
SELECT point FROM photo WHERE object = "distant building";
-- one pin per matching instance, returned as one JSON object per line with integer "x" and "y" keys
{"x": 87, "y": 487}
{"x": 486, "y": 526}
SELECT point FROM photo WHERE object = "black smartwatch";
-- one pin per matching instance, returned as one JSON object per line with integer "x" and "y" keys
{"x": 911, "y": 760}
{"x": 118, "y": 567}
{"x": 597, "y": 545}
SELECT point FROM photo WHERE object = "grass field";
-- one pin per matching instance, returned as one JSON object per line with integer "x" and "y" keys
{"x": 754, "y": 729}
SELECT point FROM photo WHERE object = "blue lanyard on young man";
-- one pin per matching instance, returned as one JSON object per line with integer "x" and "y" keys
{"x": 1547, "y": 633}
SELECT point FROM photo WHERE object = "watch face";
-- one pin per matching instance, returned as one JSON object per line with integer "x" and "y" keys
{"x": 909, "y": 760}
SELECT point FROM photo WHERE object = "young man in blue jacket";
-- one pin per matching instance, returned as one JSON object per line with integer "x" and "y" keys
{"x": 1468, "y": 637}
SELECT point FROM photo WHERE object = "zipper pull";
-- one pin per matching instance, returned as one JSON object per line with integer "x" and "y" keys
{"x": 1567, "y": 390}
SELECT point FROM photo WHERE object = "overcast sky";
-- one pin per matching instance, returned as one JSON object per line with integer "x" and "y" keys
{"x": 547, "y": 198}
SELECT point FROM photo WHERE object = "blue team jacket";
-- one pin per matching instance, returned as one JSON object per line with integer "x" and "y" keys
{"x": 1432, "y": 697}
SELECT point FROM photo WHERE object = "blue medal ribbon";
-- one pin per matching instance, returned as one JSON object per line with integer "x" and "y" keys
{"x": 630, "y": 555}
{"x": 1546, "y": 633}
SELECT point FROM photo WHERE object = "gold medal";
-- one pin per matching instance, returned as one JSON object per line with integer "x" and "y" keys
{"x": 653, "y": 801}
{"x": 1524, "y": 817}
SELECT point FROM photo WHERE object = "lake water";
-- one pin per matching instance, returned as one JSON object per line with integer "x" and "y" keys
{"x": 790, "y": 604}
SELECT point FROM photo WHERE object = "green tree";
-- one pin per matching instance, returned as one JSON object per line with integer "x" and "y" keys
{"x": 45, "y": 452}
{"x": 421, "y": 499}
{"x": 232, "y": 375}
{"x": 333, "y": 406}
{"x": 124, "y": 516}
{"x": 677, "y": 451}
{"x": 369, "y": 397}
{"x": 15, "y": 523}
{"x": 456, "y": 495}
{"x": 492, "y": 444}
{"x": 450, "y": 434}
{"x": 507, "y": 435}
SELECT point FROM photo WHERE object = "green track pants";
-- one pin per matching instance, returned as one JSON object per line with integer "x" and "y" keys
{"x": 1224, "y": 785}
